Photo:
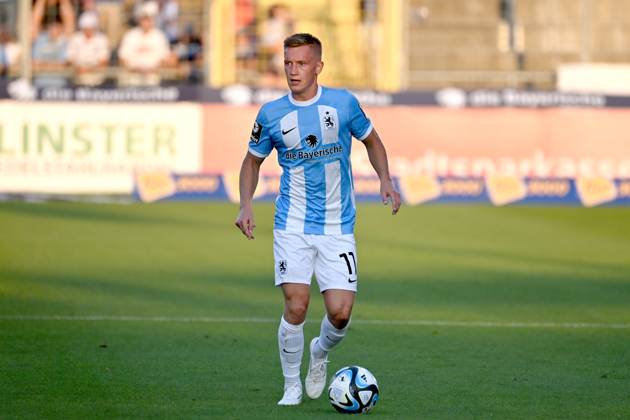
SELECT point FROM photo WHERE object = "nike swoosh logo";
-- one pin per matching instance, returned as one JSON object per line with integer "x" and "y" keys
{"x": 352, "y": 281}
{"x": 289, "y": 352}
{"x": 288, "y": 131}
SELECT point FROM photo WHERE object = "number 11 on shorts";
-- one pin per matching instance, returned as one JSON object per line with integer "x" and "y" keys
{"x": 352, "y": 274}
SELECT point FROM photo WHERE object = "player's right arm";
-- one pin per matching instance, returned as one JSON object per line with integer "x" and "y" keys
{"x": 247, "y": 182}
{"x": 260, "y": 146}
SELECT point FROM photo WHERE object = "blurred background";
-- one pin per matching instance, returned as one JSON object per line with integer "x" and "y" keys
{"x": 378, "y": 44}
{"x": 95, "y": 93}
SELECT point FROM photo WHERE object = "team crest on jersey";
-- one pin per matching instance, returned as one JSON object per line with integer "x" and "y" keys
{"x": 329, "y": 121}
{"x": 282, "y": 267}
{"x": 256, "y": 131}
{"x": 311, "y": 140}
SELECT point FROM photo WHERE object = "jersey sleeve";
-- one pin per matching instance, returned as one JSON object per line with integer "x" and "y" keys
{"x": 360, "y": 124}
{"x": 260, "y": 144}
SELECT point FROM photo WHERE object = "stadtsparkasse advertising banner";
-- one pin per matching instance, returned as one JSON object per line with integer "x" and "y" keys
{"x": 543, "y": 143}
{"x": 503, "y": 155}
{"x": 80, "y": 148}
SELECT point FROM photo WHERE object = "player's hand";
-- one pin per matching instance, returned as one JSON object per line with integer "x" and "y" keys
{"x": 390, "y": 195}
{"x": 245, "y": 222}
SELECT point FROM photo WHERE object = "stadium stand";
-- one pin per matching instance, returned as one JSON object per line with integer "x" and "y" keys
{"x": 467, "y": 44}
{"x": 385, "y": 45}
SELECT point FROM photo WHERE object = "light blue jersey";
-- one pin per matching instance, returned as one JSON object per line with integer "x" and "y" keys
{"x": 313, "y": 139}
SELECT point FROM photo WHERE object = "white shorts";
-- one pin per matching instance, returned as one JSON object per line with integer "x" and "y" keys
{"x": 333, "y": 259}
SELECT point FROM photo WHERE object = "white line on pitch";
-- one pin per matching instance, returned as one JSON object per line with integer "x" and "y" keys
{"x": 411, "y": 322}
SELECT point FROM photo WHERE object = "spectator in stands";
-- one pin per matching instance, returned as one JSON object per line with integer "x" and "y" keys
{"x": 169, "y": 20}
{"x": 144, "y": 50}
{"x": 9, "y": 53}
{"x": 134, "y": 8}
{"x": 88, "y": 51}
{"x": 4, "y": 58}
{"x": 275, "y": 29}
{"x": 49, "y": 46}
{"x": 46, "y": 12}
{"x": 189, "y": 51}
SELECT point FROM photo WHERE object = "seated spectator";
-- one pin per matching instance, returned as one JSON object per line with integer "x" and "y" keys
{"x": 46, "y": 11}
{"x": 275, "y": 29}
{"x": 144, "y": 50}
{"x": 189, "y": 54}
{"x": 49, "y": 57}
{"x": 49, "y": 46}
{"x": 9, "y": 53}
{"x": 88, "y": 52}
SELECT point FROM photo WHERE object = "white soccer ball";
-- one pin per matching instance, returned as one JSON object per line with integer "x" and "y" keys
{"x": 353, "y": 389}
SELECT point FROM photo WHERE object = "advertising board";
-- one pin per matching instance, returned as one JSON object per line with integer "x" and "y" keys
{"x": 80, "y": 148}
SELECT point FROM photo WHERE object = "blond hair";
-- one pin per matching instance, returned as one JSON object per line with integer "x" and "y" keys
{"x": 298, "y": 40}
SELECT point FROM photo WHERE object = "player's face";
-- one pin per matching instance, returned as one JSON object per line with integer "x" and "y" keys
{"x": 301, "y": 66}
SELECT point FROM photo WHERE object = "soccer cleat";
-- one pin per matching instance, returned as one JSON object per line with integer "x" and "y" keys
{"x": 292, "y": 395}
{"x": 316, "y": 378}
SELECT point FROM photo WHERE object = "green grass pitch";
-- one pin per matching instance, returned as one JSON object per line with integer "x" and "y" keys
{"x": 462, "y": 312}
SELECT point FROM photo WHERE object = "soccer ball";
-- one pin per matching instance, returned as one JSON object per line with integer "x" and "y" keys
{"x": 353, "y": 389}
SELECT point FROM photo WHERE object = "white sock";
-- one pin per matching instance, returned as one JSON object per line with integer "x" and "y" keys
{"x": 291, "y": 347}
{"x": 329, "y": 337}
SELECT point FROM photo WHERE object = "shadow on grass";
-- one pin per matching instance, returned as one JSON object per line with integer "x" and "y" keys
{"x": 458, "y": 251}
{"x": 89, "y": 212}
{"x": 189, "y": 293}
{"x": 151, "y": 294}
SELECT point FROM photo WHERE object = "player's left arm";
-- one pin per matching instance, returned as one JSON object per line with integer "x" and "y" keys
{"x": 378, "y": 158}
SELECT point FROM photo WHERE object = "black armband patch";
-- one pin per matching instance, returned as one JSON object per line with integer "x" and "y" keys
{"x": 256, "y": 132}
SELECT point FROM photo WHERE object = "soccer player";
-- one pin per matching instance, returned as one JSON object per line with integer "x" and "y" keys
{"x": 311, "y": 128}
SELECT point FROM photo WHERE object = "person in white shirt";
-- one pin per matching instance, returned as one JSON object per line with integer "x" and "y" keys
{"x": 88, "y": 52}
{"x": 144, "y": 50}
